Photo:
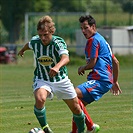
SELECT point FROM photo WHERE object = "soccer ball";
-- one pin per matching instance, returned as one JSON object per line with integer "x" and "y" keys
{"x": 36, "y": 130}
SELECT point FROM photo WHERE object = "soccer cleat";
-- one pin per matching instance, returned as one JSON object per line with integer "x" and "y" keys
{"x": 47, "y": 129}
{"x": 96, "y": 128}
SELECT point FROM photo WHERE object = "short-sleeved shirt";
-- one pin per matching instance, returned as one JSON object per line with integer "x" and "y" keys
{"x": 97, "y": 47}
{"x": 47, "y": 56}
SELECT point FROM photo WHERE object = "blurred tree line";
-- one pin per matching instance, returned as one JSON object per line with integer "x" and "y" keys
{"x": 12, "y": 11}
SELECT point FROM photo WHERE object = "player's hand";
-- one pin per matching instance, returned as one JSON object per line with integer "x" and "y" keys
{"x": 21, "y": 53}
{"x": 116, "y": 90}
{"x": 81, "y": 70}
{"x": 53, "y": 71}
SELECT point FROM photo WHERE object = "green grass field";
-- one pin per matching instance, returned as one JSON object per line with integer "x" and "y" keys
{"x": 113, "y": 113}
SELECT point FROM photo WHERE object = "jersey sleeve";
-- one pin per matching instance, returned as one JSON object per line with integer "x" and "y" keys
{"x": 63, "y": 52}
{"x": 32, "y": 41}
{"x": 30, "y": 45}
{"x": 61, "y": 47}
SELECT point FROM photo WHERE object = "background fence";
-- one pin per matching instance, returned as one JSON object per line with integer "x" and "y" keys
{"x": 118, "y": 36}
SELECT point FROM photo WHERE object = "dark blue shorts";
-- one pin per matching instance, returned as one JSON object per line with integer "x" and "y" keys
{"x": 93, "y": 90}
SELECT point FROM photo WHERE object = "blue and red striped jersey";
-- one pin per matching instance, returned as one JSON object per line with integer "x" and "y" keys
{"x": 97, "y": 47}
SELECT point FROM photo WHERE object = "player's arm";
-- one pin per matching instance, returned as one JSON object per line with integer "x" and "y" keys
{"x": 115, "y": 69}
{"x": 63, "y": 61}
{"x": 88, "y": 66}
{"x": 116, "y": 88}
{"x": 25, "y": 47}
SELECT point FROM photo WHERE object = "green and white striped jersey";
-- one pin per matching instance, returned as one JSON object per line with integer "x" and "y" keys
{"x": 47, "y": 56}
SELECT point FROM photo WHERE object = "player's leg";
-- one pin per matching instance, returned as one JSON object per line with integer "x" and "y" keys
{"x": 88, "y": 120}
{"x": 40, "y": 95}
{"x": 78, "y": 114}
{"x": 39, "y": 108}
{"x": 91, "y": 127}
{"x": 74, "y": 127}
{"x": 64, "y": 89}
{"x": 88, "y": 92}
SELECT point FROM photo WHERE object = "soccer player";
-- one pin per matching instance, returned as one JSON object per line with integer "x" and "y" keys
{"x": 104, "y": 70}
{"x": 50, "y": 75}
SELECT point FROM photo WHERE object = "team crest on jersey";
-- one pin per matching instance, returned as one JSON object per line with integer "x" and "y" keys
{"x": 45, "y": 60}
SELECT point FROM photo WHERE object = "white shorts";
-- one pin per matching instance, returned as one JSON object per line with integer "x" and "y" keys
{"x": 63, "y": 89}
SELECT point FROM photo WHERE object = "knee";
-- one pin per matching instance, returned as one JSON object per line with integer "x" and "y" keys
{"x": 77, "y": 109}
{"x": 40, "y": 101}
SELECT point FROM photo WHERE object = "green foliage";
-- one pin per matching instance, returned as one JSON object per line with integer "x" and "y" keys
{"x": 69, "y": 5}
{"x": 102, "y": 6}
{"x": 13, "y": 11}
{"x": 42, "y": 5}
{"x": 126, "y": 5}
{"x": 3, "y": 34}
{"x": 12, "y": 15}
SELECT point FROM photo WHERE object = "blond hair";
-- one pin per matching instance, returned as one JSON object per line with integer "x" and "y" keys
{"x": 46, "y": 23}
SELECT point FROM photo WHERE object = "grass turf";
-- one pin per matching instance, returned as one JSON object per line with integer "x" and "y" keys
{"x": 112, "y": 113}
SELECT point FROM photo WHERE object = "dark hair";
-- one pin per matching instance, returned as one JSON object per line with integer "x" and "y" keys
{"x": 89, "y": 18}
